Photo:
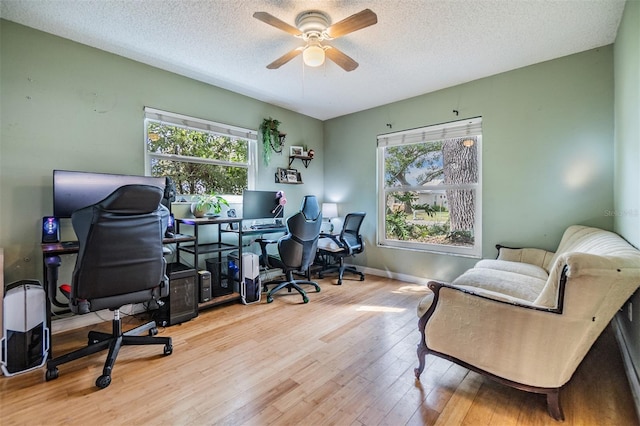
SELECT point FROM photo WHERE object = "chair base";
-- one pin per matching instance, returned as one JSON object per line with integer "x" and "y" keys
{"x": 341, "y": 268}
{"x": 99, "y": 341}
{"x": 290, "y": 284}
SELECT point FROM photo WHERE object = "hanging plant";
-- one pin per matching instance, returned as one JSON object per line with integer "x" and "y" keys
{"x": 272, "y": 139}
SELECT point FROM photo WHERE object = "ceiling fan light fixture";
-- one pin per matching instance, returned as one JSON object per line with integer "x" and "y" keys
{"x": 313, "y": 56}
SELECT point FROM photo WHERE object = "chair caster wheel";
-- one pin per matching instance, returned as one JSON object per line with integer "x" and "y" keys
{"x": 318, "y": 290}
{"x": 269, "y": 299}
{"x": 168, "y": 349}
{"x": 51, "y": 374}
{"x": 305, "y": 300}
{"x": 339, "y": 282}
{"x": 103, "y": 381}
{"x": 153, "y": 331}
{"x": 361, "y": 278}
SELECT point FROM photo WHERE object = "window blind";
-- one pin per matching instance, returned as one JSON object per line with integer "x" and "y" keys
{"x": 451, "y": 130}
{"x": 199, "y": 124}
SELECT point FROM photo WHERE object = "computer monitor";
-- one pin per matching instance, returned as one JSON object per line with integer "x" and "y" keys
{"x": 74, "y": 190}
{"x": 260, "y": 205}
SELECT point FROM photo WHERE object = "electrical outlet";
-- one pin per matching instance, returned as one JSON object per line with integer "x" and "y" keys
{"x": 630, "y": 311}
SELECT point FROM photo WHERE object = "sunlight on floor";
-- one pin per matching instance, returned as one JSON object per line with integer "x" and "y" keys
{"x": 418, "y": 289}
{"x": 413, "y": 288}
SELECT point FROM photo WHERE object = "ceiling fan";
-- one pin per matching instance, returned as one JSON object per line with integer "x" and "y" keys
{"x": 314, "y": 27}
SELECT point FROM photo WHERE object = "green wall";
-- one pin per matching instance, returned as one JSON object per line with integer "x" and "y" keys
{"x": 68, "y": 106}
{"x": 627, "y": 157}
{"x": 547, "y": 156}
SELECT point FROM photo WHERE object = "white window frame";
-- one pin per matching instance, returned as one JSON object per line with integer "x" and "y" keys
{"x": 457, "y": 129}
{"x": 199, "y": 124}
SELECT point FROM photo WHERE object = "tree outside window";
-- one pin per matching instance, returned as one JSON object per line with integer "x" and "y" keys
{"x": 198, "y": 160}
{"x": 430, "y": 194}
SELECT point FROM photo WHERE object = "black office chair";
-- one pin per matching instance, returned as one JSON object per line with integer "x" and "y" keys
{"x": 348, "y": 243}
{"x": 119, "y": 262}
{"x": 296, "y": 249}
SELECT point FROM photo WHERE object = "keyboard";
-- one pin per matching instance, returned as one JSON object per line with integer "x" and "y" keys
{"x": 267, "y": 226}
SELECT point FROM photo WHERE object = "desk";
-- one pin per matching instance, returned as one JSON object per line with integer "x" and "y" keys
{"x": 51, "y": 253}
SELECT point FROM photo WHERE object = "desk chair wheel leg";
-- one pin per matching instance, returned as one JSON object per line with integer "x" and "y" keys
{"x": 103, "y": 381}
{"x": 153, "y": 331}
{"x": 168, "y": 349}
{"x": 269, "y": 299}
{"x": 51, "y": 374}
{"x": 305, "y": 299}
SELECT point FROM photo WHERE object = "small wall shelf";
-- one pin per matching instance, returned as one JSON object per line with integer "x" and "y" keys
{"x": 305, "y": 160}
{"x": 298, "y": 181}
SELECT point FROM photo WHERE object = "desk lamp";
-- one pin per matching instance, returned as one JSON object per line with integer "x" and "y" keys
{"x": 329, "y": 211}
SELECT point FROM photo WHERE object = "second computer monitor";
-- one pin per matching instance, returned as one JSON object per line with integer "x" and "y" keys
{"x": 260, "y": 205}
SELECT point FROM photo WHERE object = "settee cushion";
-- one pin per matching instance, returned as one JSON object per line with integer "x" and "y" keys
{"x": 507, "y": 281}
{"x": 515, "y": 267}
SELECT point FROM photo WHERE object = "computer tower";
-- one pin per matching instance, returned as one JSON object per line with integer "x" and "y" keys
{"x": 182, "y": 303}
{"x": 204, "y": 281}
{"x": 220, "y": 284}
{"x": 250, "y": 286}
{"x": 25, "y": 342}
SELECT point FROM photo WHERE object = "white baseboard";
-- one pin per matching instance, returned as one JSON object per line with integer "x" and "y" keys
{"x": 632, "y": 374}
{"x": 411, "y": 279}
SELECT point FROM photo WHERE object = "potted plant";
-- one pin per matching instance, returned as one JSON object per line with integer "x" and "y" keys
{"x": 206, "y": 203}
{"x": 272, "y": 138}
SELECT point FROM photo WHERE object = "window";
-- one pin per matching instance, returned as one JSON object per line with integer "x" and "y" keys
{"x": 429, "y": 195}
{"x": 200, "y": 156}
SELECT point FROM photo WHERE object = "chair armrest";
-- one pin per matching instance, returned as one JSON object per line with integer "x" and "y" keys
{"x": 333, "y": 238}
{"x": 533, "y": 256}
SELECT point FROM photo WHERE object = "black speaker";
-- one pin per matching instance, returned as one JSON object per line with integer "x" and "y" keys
{"x": 204, "y": 279}
{"x": 182, "y": 303}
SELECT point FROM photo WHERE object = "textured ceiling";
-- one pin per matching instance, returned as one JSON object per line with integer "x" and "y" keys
{"x": 415, "y": 48}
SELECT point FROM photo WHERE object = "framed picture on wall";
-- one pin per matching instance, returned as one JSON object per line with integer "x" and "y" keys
{"x": 292, "y": 175}
{"x": 295, "y": 150}
{"x": 281, "y": 175}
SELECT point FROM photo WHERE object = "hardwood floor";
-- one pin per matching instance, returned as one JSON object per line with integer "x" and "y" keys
{"x": 345, "y": 358}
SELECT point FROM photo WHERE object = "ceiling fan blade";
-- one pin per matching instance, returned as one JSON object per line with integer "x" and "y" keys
{"x": 341, "y": 59}
{"x": 285, "y": 58}
{"x": 267, "y": 18}
{"x": 352, "y": 23}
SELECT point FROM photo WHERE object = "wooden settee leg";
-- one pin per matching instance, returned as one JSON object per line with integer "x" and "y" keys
{"x": 422, "y": 352}
{"x": 553, "y": 405}
{"x": 422, "y": 346}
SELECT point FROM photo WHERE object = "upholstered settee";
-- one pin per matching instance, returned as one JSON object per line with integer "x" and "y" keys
{"x": 528, "y": 318}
